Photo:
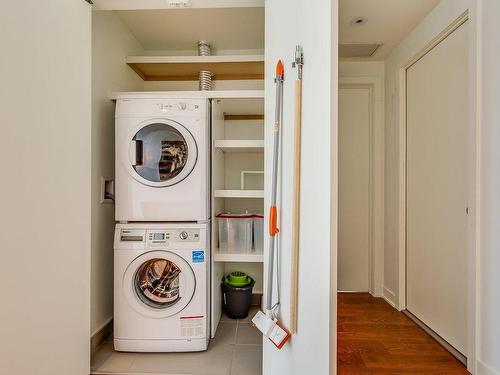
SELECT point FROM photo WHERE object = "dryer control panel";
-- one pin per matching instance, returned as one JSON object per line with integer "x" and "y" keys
{"x": 173, "y": 235}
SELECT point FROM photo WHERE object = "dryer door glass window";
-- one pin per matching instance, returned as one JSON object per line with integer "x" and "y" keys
{"x": 161, "y": 153}
{"x": 157, "y": 283}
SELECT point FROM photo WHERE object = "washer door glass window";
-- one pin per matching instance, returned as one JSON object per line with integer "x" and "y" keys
{"x": 159, "y": 284}
{"x": 162, "y": 153}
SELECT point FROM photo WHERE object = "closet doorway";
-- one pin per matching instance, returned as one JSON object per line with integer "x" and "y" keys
{"x": 436, "y": 189}
{"x": 354, "y": 228}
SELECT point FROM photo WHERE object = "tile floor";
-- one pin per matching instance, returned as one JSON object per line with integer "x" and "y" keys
{"x": 235, "y": 350}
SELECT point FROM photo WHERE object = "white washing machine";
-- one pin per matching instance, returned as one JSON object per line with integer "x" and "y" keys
{"x": 161, "y": 287}
{"x": 162, "y": 159}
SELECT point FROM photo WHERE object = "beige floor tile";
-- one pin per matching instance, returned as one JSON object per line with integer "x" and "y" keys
{"x": 246, "y": 334}
{"x": 216, "y": 361}
{"x": 103, "y": 353}
{"x": 118, "y": 362}
{"x": 247, "y": 360}
{"x": 226, "y": 334}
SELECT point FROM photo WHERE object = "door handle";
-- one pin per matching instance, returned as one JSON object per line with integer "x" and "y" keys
{"x": 136, "y": 153}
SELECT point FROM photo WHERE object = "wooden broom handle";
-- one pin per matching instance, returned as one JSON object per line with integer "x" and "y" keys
{"x": 294, "y": 270}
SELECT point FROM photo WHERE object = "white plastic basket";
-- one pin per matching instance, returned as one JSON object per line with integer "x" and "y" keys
{"x": 235, "y": 233}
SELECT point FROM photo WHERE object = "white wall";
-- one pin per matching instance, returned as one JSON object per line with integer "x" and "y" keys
{"x": 45, "y": 191}
{"x": 437, "y": 21}
{"x": 489, "y": 297}
{"x": 362, "y": 69}
{"x": 312, "y": 349}
{"x": 111, "y": 43}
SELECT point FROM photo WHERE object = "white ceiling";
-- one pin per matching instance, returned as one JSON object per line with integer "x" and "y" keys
{"x": 389, "y": 22}
{"x": 180, "y": 29}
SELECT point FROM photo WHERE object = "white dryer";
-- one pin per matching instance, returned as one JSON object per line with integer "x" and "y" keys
{"x": 162, "y": 159}
{"x": 161, "y": 287}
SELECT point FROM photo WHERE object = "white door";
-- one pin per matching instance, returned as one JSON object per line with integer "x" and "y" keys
{"x": 45, "y": 101}
{"x": 162, "y": 153}
{"x": 437, "y": 117}
{"x": 354, "y": 189}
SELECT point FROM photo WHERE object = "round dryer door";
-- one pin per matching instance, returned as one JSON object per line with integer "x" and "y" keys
{"x": 162, "y": 153}
{"x": 159, "y": 284}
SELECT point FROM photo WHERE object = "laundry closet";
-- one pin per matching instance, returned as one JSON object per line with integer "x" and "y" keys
{"x": 210, "y": 75}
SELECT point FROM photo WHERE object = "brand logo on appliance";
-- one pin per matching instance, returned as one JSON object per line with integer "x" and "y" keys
{"x": 198, "y": 256}
{"x": 181, "y": 106}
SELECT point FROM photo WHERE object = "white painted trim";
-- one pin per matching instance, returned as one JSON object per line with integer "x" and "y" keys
{"x": 162, "y": 4}
{"x": 474, "y": 159}
{"x": 469, "y": 15}
{"x": 390, "y": 297}
{"x": 376, "y": 200}
{"x": 102, "y": 326}
{"x": 484, "y": 369}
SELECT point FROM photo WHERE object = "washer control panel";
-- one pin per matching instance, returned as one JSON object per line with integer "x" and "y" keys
{"x": 173, "y": 236}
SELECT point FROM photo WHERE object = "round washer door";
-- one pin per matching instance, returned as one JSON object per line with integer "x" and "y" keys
{"x": 162, "y": 153}
{"x": 159, "y": 284}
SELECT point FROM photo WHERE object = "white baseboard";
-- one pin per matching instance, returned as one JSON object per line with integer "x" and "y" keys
{"x": 389, "y": 296}
{"x": 483, "y": 369}
{"x": 100, "y": 335}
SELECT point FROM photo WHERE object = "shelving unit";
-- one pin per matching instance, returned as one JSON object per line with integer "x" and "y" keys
{"x": 186, "y": 68}
{"x": 237, "y": 179}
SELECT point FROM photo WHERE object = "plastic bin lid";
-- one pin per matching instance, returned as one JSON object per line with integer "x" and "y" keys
{"x": 236, "y": 216}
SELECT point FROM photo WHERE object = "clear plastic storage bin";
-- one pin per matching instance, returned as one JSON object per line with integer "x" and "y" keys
{"x": 258, "y": 233}
{"x": 235, "y": 233}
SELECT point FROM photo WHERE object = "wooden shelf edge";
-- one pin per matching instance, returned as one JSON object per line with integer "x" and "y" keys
{"x": 229, "y": 117}
{"x": 186, "y": 68}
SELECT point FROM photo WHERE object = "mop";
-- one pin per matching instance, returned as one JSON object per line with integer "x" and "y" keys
{"x": 266, "y": 322}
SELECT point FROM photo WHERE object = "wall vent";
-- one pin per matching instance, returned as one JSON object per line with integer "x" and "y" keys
{"x": 357, "y": 50}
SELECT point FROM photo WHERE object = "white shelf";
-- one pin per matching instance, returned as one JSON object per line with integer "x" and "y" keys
{"x": 240, "y": 145}
{"x": 186, "y": 68}
{"x": 239, "y": 193}
{"x": 232, "y": 257}
{"x": 215, "y": 94}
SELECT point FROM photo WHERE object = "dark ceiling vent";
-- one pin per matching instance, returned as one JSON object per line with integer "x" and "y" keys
{"x": 357, "y": 50}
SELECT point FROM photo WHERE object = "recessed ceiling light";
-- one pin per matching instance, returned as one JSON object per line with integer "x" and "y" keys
{"x": 359, "y": 21}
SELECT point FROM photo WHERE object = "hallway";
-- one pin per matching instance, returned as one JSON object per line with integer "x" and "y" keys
{"x": 374, "y": 338}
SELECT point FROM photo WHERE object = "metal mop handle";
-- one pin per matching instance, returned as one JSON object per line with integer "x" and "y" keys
{"x": 273, "y": 213}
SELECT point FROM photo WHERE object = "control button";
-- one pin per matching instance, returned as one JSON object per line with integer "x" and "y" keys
{"x": 182, "y": 106}
{"x": 183, "y": 235}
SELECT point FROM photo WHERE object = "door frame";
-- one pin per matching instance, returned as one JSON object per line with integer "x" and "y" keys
{"x": 472, "y": 176}
{"x": 375, "y": 86}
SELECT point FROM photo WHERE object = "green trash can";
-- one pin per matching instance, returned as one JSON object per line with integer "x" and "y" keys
{"x": 237, "y": 294}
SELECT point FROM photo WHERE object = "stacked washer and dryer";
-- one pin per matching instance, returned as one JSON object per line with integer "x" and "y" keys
{"x": 161, "y": 245}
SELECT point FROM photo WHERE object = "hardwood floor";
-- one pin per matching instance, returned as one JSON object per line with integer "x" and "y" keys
{"x": 374, "y": 338}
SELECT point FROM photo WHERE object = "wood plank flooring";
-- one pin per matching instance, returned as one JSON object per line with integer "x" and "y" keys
{"x": 374, "y": 338}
